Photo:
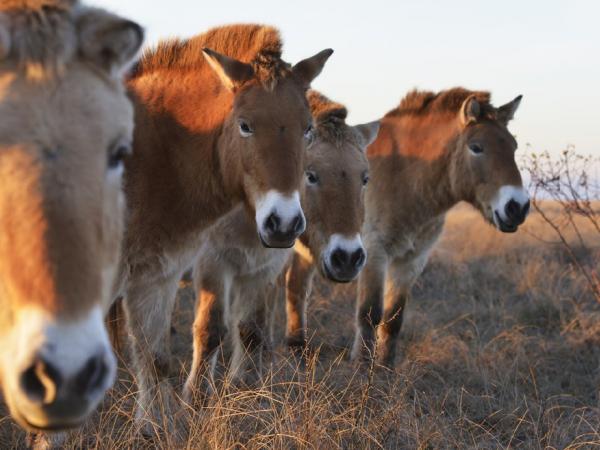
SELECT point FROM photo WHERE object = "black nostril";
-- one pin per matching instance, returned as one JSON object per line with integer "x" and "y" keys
{"x": 358, "y": 258}
{"x": 41, "y": 382}
{"x": 513, "y": 211}
{"x": 272, "y": 223}
{"x": 298, "y": 224}
{"x": 92, "y": 376}
{"x": 339, "y": 259}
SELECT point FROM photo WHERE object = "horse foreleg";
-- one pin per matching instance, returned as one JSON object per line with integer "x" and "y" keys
{"x": 148, "y": 306}
{"x": 298, "y": 286}
{"x": 369, "y": 307}
{"x": 208, "y": 331}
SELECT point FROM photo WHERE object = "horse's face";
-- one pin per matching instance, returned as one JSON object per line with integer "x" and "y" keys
{"x": 273, "y": 129}
{"x": 336, "y": 178}
{"x": 267, "y": 133}
{"x": 490, "y": 174}
{"x": 63, "y": 134}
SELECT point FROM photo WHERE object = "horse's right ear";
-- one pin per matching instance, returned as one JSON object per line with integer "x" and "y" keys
{"x": 108, "y": 41}
{"x": 470, "y": 110}
{"x": 368, "y": 132}
{"x": 308, "y": 69}
{"x": 4, "y": 37}
{"x": 231, "y": 72}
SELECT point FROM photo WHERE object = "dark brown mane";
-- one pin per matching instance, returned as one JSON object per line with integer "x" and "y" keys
{"x": 330, "y": 119}
{"x": 41, "y": 32}
{"x": 417, "y": 103}
{"x": 258, "y": 45}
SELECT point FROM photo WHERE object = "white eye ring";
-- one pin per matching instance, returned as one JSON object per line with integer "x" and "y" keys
{"x": 309, "y": 133}
{"x": 117, "y": 156}
{"x": 476, "y": 149}
{"x": 311, "y": 178}
{"x": 245, "y": 129}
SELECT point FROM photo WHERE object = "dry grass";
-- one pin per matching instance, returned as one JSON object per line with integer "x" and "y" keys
{"x": 500, "y": 349}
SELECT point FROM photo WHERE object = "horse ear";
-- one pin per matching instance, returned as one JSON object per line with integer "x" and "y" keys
{"x": 308, "y": 69}
{"x": 108, "y": 41}
{"x": 231, "y": 72}
{"x": 4, "y": 37}
{"x": 368, "y": 132}
{"x": 506, "y": 113}
{"x": 470, "y": 110}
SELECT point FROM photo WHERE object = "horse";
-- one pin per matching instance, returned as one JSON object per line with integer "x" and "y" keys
{"x": 66, "y": 126}
{"x": 234, "y": 273}
{"x": 221, "y": 119}
{"x": 433, "y": 151}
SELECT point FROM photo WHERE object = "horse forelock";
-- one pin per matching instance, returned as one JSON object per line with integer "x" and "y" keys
{"x": 43, "y": 35}
{"x": 330, "y": 120}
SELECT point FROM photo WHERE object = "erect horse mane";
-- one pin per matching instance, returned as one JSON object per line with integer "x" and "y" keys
{"x": 417, "y": 103}
{"x": 40, "y": 32}
{"x": 258, "y": 45}
{"x": 330, "y": 119}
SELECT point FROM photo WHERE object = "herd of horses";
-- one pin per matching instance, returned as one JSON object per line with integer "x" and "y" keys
{"x": 211, "y": 153}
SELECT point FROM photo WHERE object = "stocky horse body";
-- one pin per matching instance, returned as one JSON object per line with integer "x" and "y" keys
{"x": 220, "y": 119}
{"x": 65, "y": 126}
{"x": 235, "y": 276}
{"x": 432, "y": 152}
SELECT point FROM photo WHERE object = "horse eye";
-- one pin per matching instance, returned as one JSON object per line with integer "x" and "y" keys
{"x": 311, "y": 177}
{"x": 245, "y": 129}
{"x": 365, "y": 179}
{"x": 476, "y": 148}
{"x": 308, "y": 133}
{"x": 118, "y": 154}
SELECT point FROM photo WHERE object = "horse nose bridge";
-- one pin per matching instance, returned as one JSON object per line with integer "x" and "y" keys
{"x": 346, "y": 244}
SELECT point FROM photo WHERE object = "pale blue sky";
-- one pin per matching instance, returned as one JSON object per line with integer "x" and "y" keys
{"x": 549, "y": 51}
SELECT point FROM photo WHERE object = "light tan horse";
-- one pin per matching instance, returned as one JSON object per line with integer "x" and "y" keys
{"x": 65, "y": 126}
{"x": 432, "y": 152}
{"x": 235, "y": 274}
{"x": 211, "y": 131}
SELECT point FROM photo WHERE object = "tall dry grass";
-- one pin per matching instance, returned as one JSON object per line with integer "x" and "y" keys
{"x": 500, "y": 349}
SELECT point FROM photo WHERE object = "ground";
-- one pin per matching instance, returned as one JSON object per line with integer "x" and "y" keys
{"x": 499, "y": 349}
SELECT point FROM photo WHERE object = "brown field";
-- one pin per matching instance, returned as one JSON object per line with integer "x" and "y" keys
{"x": 500, "y": 349}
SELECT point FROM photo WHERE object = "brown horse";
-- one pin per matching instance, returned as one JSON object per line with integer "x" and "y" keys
{"x": 65, "y": 126}
{"x": 211, "y": 131}
{"x": 235, "y": 273}
{"x": 432, "y": 152}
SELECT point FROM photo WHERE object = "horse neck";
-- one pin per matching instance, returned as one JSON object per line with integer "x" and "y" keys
{"x": 179, "y": 135}
{"x": 426, "y": 152}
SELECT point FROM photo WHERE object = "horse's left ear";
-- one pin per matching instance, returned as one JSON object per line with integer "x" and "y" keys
{"x": 108, "y": 41}
{"x": 309, "y": 69}
{"x": 470, "y": 111}
{"x": 506, "y": 113}
{"x": 368, "y": 133}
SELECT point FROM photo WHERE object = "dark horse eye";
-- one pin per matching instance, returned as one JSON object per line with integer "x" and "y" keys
{"x": 245, "y": 129}
{"x": 311, "y": 177}
{"x": 365, "y": 179}
{"x": 476, "y": 148}
{"x": 117, "y": 155}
